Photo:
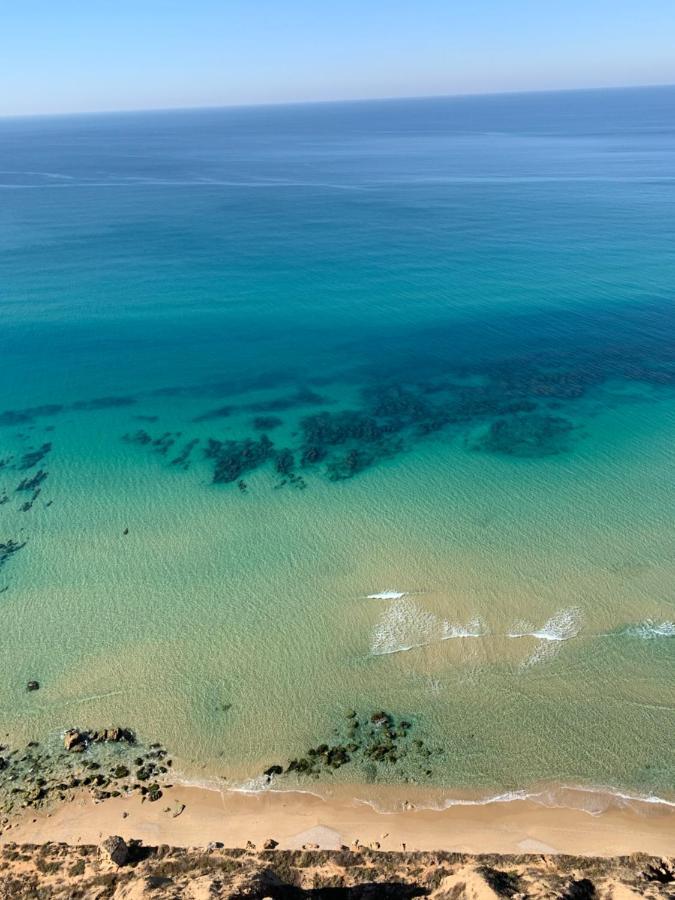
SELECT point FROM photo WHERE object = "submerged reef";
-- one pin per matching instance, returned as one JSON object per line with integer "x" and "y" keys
{"x": 184, "y": 456}
{"x": 103, "y": 403}
{"x": 266, "y": 423}
{"x": 233, "y": 458}
{"x": 30, "y": 414}
{"x": 531, "y": 435}
{"x": 32, "y": 457}
{"x": 376, "y": 743}
{"x": 221, "y": 413}
{"x": 33, "y": 483}
{"x": 25, "y": 416}
{"x": 137, "y": 437}
{"x": 303, "y": 397}
{"x": 8, "y": 549}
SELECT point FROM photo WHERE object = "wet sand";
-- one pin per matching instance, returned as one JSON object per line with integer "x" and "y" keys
{"x": 296, "y": 819}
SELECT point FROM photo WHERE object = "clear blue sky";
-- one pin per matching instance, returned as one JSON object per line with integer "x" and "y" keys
{"x": 72, "y": 55}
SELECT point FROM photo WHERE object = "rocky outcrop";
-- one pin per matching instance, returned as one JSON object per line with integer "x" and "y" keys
{"x": 106, "y": 763}
{"x": 75, "y": 740}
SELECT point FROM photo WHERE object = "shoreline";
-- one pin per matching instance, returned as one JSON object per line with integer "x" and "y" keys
{"x": 191, "y": 816}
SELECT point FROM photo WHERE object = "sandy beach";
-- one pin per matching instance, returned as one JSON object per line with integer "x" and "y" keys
{"x": 195, "y": 817}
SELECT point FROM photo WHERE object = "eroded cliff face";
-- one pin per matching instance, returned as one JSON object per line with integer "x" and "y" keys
{"x": 117, "y": 869}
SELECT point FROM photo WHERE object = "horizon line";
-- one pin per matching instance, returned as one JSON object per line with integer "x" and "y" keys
{"x": 336, "y": 101}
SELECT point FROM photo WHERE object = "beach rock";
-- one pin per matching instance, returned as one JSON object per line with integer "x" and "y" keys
{"x": 112, "y": 736}
{"x": 270, "y": 844}
{"x": 273, "y": 770}
{"x": 115, "y": 849}
{"x": 380, "y": 718}
{"x": 73, "y": 740}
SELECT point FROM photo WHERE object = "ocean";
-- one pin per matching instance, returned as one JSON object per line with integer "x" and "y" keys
{"x": 319, "y": 412}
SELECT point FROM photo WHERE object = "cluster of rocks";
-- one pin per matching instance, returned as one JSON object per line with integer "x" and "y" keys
{"x": 107, "y": 763}
{"x": 75, "y": 740}
{"x": 377, "y": 740}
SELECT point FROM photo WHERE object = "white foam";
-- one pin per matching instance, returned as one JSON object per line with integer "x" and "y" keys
{"x": 650, "y": 630}
{"x": 562, "y": 796}
{"x": 257, "y": 785}
{"x": 473, "y": 629}
{"x": 448, "y": 802}
{"x": 404, "y": 626}
{"x": 564, "y": 625}
{"x": 388, "y": 595}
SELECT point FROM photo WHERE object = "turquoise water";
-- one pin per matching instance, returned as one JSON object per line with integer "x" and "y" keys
{"x": 382, "y": 396}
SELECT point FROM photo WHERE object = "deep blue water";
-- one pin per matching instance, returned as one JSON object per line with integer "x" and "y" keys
{"x": 181, "y": 246}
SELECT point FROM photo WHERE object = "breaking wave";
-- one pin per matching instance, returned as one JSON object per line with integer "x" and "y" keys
{"x": 403, "y": 626}
{"x": 406, "y": 625}
{"x": 591, "y": 800}
{"x": 649, "y": 630}
{"x": 388, "y": 595}
{"x": 564, "y": 625}
{"x": 473, "y": 629}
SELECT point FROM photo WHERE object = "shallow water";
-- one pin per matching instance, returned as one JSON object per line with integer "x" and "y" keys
{"x": 456, "y": 315}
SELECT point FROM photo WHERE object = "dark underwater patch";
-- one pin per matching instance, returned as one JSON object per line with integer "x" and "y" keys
{"x": 526, "y": 436}
{"x": 33, "y": 483}
{"x": 266, "y": 423}
{"x": 103, "y": 403}
{"x": 304, "y": 397}
{"x": 25, "y": 416}
{"x": 221, "y": 413}
{"x": 8, "y": 549}
{"x": 233, "y": 458}
{"x": 32, "y": 457}
{"x": 183, "y": 457}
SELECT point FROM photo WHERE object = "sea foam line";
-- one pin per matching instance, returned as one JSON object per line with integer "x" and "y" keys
{"x": 549, "y": 798}
{"x": 387, "y": 595}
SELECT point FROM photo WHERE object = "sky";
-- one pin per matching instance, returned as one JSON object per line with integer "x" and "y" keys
{"x": 61, "y": 56}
